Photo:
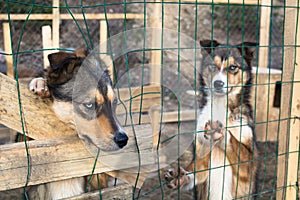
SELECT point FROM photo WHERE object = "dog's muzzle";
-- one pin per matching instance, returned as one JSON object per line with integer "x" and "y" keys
{"x": 120, "y": 139}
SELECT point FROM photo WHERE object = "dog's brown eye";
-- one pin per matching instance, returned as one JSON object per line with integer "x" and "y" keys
{"x": 90, "y": 106}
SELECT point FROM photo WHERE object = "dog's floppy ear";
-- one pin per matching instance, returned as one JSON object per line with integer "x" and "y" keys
{"x": 59, "y": 59}
{"x": 247, "y": 50}
{"x": 208, "y": 45}
{"x": 63, "y": 65}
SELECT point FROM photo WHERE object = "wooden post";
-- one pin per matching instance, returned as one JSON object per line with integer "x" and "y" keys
{"x": 288, "y": 138}
{"x": 261, "y": 111}
{"x": 103, "y": 48}
{"x": 264, "y": 34}
{"x": 8, "y": 49}
{"x": 47, "y": 43}
{"x": 292, "y": 169}
{"x": 55, "y": 24}
{"x": 155, "y": 60}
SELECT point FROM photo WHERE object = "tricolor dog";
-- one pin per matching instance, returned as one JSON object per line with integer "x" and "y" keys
{"x": 82, "y": 94}
{"x": 225, "y": 162}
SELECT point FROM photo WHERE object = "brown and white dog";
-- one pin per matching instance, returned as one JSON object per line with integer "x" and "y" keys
{"x": 83, "y": 95}
{"x": 225, "y": 162}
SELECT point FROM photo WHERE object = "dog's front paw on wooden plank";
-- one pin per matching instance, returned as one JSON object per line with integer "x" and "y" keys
{"x": 39, "y": 86}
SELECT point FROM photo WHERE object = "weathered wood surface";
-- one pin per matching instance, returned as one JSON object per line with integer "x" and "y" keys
{"x": 286, "y": 135}
{"x": 294, "y": 124}
{"x": 88, "y": 16}
{"x": 41, "y": 121}
{"x": 151, "y": 96}
{"x": 66, "y": 157}
{"x": 119, "y": 192}
{"x": 266, "y": 115}
{"x": 8, "y": 50}
{"x": 253, "y": 2}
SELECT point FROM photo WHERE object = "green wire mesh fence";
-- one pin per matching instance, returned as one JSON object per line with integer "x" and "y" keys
{"x": 263, "y": 22}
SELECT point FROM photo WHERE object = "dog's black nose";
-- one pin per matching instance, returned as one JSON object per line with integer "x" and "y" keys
{"x": 218, "y": 84}
{"x": 120, "y": 138}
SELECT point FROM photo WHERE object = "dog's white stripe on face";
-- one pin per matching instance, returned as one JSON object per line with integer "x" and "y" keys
{"x": 222, "y": 66}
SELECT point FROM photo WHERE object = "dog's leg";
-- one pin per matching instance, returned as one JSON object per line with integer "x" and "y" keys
{"x": 242, "y": 153}
{"x": 39, "y": 87}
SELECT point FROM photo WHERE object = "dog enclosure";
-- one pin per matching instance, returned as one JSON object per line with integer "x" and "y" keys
{"x": 154, "y": 102}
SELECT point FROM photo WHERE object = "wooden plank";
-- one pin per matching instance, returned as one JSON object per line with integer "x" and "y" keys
{"x": 55, "y": 24}
{"x": 252, "y": 2}
{"x": 266, "y": 115}
{"x": 88, "y": 16}
{"x": 117, "y": 192}
{"x": 286, "y": 95}
{"x": 294, "y": 131}
{"x": 103, "y": 48}
{"x": 41, "y": 121}
{"x": 66, "y": 157}
{"x": 151, "y": 96}
{"x": 8, "y": 50}
{"x": 155, "y": 57}
{"x": 264, "y": 31}
{"x": 155, "y": 21}
{"x": 47, "y": 44}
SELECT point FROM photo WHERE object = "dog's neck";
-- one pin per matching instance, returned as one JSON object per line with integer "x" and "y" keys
{"x": 218, "y": 106}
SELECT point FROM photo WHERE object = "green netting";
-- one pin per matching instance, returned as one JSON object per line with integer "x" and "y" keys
{"x": 228, "y": 23}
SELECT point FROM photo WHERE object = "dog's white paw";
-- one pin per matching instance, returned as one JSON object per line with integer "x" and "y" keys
{"x": 39, "y": 86}
{"x": 173, "y": 179}
{"x": 214, "y": 130}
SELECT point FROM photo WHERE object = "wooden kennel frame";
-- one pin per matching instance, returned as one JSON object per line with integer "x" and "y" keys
{"x": 62, "y": 139}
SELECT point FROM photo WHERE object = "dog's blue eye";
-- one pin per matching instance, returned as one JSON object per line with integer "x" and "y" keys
{"x": 232, "y": 68}
{"x": 115, "y": 101}
{"x": 89, "y": 106}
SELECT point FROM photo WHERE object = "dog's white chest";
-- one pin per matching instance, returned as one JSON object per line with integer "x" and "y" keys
{"x": 215, "y": 109}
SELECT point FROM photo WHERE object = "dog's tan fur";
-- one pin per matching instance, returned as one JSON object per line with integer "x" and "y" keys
{"x": 225, "y": 162}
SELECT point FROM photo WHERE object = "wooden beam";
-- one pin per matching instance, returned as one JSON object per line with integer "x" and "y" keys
{"x": 103, "y": 49}
{"x": 254, "y": 2}
{"x": 55, "y": 24}
{"x": 8, "y": 50}
{"x": 264, "y": 32}
{"x": 117, "y": 192}
{"x": 294, "y": 129}
{"x": 88, "y": 16}
{"x": 47, "y": 44}
{"x": 41, "y": 121}
{"x": 155, "y": 22}
{"x": 151, "y": 96}
{"x": 66, "y": 157}
{"x": 286, "y": 136}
